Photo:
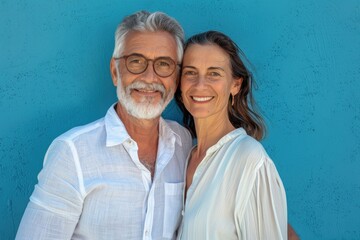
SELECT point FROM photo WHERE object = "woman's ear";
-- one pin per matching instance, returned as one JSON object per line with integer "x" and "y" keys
{"x": 113, "y": 71}
{"x": 236, "y": 86}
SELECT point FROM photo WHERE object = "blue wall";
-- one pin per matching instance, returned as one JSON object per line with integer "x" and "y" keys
{"x": 54, "y": 75}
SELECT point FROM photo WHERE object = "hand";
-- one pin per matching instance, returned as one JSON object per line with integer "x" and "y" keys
{"x": 292, "y": 235}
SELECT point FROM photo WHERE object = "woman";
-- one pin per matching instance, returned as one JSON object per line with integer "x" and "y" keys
{"x": 233, "y": 188}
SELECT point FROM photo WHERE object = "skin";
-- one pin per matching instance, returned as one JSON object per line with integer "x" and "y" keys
{"x": 206, "y": 84}
{"x": 292, "y": 235}
{"x": 145, "y": 132}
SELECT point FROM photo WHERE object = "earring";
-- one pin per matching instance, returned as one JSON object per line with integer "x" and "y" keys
{"x": 232, "y": 99}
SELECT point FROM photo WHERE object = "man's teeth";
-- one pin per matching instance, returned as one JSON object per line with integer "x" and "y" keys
{"x": 146, "y": 90}
{"x": 202, "y": 99}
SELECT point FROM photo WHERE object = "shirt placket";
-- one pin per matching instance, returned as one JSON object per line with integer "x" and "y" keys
{"x": 149, "y": 215}
{"x": 148, "y": 210}
{"x": 165, "y": 153}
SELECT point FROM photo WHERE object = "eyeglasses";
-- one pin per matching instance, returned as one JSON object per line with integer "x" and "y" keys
{"x": 137, "y": 64}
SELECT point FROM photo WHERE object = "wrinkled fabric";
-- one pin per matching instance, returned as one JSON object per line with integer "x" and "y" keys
{"x": 93, "y": 186}
{"x": 236, "y": 193}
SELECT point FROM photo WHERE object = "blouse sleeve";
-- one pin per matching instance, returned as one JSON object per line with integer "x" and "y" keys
{"x": 56, "y": 203}
{"x": 265, "y": 214}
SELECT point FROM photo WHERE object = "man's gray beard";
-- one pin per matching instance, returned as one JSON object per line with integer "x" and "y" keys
{"x": 146, "y": 109}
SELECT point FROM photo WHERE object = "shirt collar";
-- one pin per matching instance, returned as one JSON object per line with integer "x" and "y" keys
{"x": 231, "y": 135}
{"x": 115, "y": 129}
{"x": 166, "y": 131}
{"x": 116, "y": 132}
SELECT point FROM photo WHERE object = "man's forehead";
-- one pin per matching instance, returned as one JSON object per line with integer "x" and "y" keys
{"x": 159, "y": 43}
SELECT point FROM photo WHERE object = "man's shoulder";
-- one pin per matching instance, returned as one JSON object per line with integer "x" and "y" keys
{"x": 82, "y": 131}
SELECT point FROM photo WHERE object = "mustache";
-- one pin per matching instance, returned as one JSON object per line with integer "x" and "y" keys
{"x": 146, "y": 86}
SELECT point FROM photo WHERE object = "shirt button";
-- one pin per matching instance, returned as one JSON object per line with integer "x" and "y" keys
{"x": 147, "y": 233}
{"x": 182, "y": 212}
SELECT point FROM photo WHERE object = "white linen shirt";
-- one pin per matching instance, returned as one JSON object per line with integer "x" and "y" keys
{"x": 93, "y": 186}
{"x": 236, "y": 193}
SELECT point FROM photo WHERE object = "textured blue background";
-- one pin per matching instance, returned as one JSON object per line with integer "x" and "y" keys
{"x": 54, "y": 75}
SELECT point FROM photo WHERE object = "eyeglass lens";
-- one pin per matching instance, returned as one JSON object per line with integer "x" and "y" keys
{"x": 162, "y": 66}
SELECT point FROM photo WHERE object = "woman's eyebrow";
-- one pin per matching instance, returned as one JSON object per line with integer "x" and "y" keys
{"x": 188, "y": 67}
{"x": 216, "y": 68}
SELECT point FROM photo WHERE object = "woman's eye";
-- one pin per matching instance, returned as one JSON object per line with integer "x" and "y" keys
{"x": 189, "y": 73}
{"x": 214, "y": 74}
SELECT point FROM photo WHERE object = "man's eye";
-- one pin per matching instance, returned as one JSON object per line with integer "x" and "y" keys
{"x": 135, "y": 61}
{"x": 163, "y": 64}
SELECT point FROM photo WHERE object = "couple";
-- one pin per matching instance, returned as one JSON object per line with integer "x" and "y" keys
{"x": 134, "y": 175}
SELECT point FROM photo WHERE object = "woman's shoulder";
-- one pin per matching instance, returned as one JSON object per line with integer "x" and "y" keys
{"x": 245, "y": 149}
{"x": 244, "y": 142}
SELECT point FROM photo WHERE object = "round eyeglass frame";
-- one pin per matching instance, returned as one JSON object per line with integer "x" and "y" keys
{"x": 125, "y": 57}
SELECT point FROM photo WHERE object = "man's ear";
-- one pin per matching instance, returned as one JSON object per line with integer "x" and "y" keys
{"x": 113, "y": 71}
{"x": 235, "y": 89}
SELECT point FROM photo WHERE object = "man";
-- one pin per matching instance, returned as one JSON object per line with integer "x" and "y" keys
{"x": 122, "y": 176}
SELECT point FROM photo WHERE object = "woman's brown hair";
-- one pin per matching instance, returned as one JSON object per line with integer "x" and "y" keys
{"x": 242, "y": 113}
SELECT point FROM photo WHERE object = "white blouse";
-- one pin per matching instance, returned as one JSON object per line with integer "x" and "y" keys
{"x": 236, "y": 193}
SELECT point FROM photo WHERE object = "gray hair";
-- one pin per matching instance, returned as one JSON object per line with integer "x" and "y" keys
{"x": 143, "y": 21}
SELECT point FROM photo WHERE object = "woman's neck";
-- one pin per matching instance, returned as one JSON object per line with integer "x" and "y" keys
{"x": 209, "y": 132}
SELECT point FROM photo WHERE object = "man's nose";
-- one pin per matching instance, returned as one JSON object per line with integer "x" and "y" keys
{"x": 149, "y": 75}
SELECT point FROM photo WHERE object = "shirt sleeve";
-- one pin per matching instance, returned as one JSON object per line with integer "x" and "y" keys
{"x": 56, "y": 203}
{"x": 265, "y": 215}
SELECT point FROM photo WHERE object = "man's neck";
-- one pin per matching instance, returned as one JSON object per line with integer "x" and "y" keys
{"x": 145, "y": 132}
{"x": 139, "y": 129}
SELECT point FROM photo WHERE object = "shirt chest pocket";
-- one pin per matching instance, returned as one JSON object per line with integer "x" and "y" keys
{"x": 173, "y": 207}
